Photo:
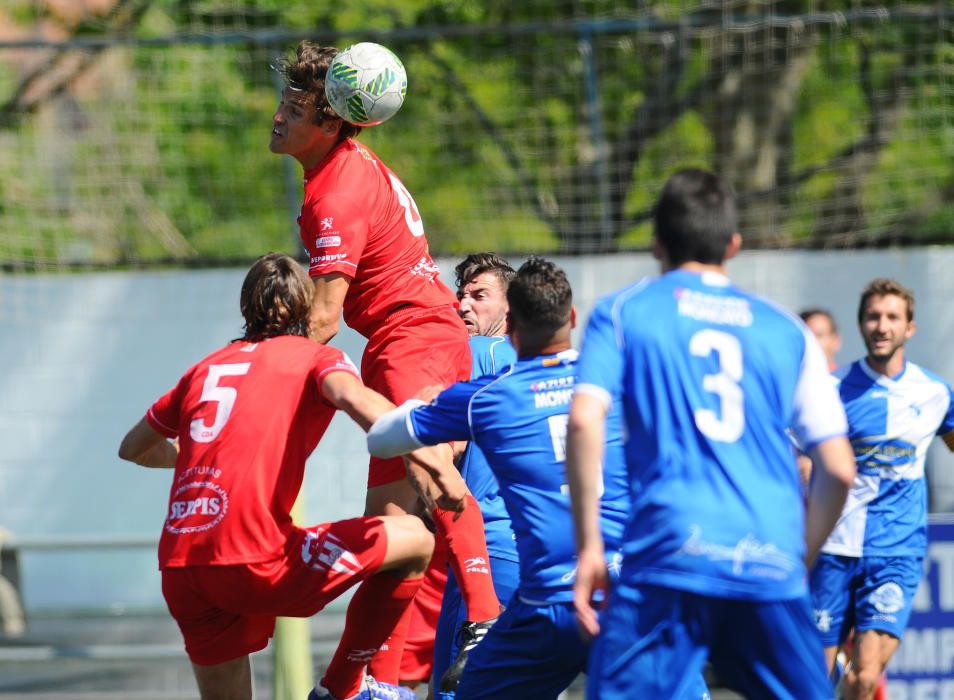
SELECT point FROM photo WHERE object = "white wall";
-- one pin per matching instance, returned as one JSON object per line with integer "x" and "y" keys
{"x": 84, "y": 356}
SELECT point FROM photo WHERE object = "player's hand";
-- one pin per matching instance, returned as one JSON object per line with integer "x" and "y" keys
{"x": 429, "y": 393}
{"x": 591, "y": 577}
{"x": 436, "y": 479}
{"x": 453, "y": 504}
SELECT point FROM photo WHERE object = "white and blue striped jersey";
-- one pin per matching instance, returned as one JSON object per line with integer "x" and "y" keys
{"x": 519, "y": 419}
{"x": 710, "y": 379}
{"x": 891, "y": 423}
{"x": 489, "y": 355}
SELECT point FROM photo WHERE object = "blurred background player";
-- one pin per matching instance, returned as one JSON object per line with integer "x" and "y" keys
{"x": 245, "y": 419}
{"x": 715, "y": 548}
{"x": 822, "y": 324}
{"x": 369, "y": 259}
{"x": 870, "y": 567}
{"x": 482, "y": 280}
{"x": 518, "y": 418}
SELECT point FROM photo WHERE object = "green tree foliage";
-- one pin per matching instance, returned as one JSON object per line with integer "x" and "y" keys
{"x": 536, "y": 126}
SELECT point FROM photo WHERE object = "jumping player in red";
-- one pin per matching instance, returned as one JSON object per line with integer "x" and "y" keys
{"x": 244, "y": 421}
{"x": 369, "y": 258}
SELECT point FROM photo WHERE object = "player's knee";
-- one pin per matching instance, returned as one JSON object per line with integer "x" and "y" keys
{"x": 866, "y": 682}
{"x": 412, "y": 541}
{"x": 423, "y": 542}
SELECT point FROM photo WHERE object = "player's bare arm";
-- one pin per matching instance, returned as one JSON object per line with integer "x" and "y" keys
{"x": 834, "y": 470}
{"x": 430, "y": 469}
{"x": 432, "y": 472}
{"x": 584, "y": 448}
{"x": 345, "y": 392}
{"x": 148, "y": 448}
{"x": 330, "y": 291}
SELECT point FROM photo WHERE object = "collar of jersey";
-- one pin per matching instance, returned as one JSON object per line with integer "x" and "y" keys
{"x": 882, "y": 378}
{"x": 311, "y": 172}
{"x": 708, "y": 278}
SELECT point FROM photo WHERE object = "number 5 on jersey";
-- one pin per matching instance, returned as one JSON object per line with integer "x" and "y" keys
{"x": 223, "y": 396}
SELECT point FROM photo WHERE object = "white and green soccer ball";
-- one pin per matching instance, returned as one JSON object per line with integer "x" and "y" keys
{"x": 366, "y": 84}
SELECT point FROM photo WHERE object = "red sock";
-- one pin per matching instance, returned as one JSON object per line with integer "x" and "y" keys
{"x": 467, "y": 554}
{"x": 881, "y": 692}
{"x": 377, "y": 609}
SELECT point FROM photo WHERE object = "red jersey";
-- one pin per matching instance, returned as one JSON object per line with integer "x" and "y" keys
{"x": 358, "y": 219}
{"x": 247, "y": 417}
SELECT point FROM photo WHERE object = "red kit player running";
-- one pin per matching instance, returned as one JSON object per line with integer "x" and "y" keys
{"x": 369, "y": 258}
{"x": 246, "y": 418}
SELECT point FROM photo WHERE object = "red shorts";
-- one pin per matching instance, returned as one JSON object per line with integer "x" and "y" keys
{"x": 225, "y": 612}
{"x": 418, "y": 658}
{"x": 414, "y": 348}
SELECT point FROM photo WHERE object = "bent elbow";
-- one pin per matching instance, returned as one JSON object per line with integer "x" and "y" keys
{"x": 126, "y": 451}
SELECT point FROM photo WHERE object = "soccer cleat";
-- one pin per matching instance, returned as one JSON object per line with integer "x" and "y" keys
{"x": 471, "y": 634}
{"x": 370, "y": 690}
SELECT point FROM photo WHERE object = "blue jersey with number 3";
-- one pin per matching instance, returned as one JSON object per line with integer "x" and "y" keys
{"x": 711, "y": 377}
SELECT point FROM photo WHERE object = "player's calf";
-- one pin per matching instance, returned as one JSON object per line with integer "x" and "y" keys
{"x": 377, "y": 608}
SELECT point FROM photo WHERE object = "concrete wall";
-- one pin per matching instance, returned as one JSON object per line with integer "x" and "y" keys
{"x": 85, "y": 355}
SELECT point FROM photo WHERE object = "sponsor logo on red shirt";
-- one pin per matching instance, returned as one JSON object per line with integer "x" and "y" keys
{"x": 327, "y": 241}
{"x": 196, "y": 506}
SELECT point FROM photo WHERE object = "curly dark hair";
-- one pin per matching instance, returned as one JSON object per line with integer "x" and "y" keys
{"x": 479, "y": 263}
{"x": 276, "y": 298}
{"x": 882, "y": 287}
{"x": 540, "y": 297}
{"x": 307, "y": 73}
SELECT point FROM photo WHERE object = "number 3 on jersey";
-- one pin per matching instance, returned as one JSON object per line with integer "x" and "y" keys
{"x": 223, "y": 396}
{"x": 729, "y": 423}
{"x": 412, "y": 217}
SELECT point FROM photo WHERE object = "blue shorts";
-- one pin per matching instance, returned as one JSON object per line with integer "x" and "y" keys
{"x": 654, "y": 642}
{"x": 867, "y": 593}
{"x": 505, "y": 575}
{"x": 534, "y": 651}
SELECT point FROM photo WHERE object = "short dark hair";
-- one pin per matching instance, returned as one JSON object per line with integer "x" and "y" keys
{"x": 881, "y": 287}
{"x": 695, "y": 217}
{"x": 540, "y": 297}
{"x": 806, "y": 314}
{"x": 276, "y": 298}
{"x": 479, "y": 263}
{"x": 307, "y": 73}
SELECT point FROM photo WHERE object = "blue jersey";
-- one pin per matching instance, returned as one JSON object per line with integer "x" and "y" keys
{"x": 711, "y": 377}
{"x": 489, "y": 355}
{"x": 518, "y": 419}
{"x": 891, "y": 423}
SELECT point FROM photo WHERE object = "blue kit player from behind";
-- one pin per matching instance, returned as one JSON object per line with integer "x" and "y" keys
{"x": 871, "y": 565}
{"x": 518, "y": 419}
{"x": 482, "y": 281}
{"x": 709, "y": 379}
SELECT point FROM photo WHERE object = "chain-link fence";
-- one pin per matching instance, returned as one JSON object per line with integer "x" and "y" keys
{"x": 135, "y": 132}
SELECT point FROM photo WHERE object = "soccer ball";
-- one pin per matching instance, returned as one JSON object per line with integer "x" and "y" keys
{"x": 366, "y": 84}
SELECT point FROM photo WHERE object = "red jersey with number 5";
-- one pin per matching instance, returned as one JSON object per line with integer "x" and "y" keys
{"x": 359, "y": 219}
{"x": 247, "y": 417}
